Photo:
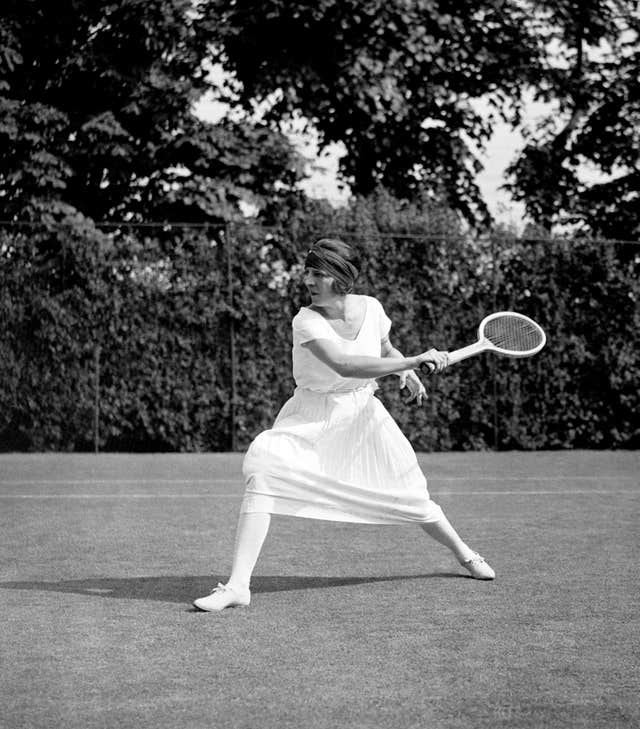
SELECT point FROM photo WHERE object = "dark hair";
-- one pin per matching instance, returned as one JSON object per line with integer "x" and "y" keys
{"x": 336, "y": 258}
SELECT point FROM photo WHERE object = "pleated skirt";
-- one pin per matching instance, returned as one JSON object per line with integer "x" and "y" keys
{"x": 337, "y": 456}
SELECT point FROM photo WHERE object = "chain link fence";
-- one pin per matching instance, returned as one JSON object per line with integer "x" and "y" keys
{"x": 177, "y": 337}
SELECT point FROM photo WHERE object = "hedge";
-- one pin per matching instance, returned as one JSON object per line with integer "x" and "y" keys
{"x": 141, "y": 325}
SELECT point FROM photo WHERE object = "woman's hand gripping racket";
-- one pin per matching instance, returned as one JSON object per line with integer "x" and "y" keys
{"x": 506, "y": 333}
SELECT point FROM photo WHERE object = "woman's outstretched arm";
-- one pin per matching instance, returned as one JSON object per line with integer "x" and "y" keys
{"x": 361, "y": 366}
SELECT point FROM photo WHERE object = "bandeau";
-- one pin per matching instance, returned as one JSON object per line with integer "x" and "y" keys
{"x": 333, "y": 264}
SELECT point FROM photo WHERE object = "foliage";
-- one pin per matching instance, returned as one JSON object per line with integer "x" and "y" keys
{"x": 96, "y": 116}
{"x": 593, "y": 78}
{"x": 157, "y": 313}
{"x": 396, "y": 83}
{"x": 144, "y": 322}
{"x": 391, "y": 80}
{"x": 97, "y": 123}
{"x": 580, "y": 390}
{"x": 96, "y": 105}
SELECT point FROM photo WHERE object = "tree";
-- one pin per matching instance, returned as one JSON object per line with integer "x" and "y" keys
{"x": 393, "y": 81}
{"x": 97, "y": 124}
{"x": 593, "y": 76}
{"x": 96, "y": 117}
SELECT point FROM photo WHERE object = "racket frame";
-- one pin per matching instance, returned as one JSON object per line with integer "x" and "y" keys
{"x": 484, "y": 345}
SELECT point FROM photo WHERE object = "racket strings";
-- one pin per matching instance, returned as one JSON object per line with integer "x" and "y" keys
{"x": 513, "y": 333}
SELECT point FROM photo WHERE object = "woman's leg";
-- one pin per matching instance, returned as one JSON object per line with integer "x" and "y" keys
{"x": 250, "y": 535}
{"x": 442, "y": 531}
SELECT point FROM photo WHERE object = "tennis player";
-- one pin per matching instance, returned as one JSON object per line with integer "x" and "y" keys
{"x": 334, "y": 452}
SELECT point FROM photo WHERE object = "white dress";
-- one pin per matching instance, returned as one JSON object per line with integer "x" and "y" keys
{"x": 334, "y": 452}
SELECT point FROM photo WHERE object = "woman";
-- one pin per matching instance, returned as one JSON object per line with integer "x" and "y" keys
{"x": 334, "y": 452}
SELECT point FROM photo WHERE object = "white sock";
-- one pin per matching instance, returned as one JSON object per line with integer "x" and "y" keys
{"x": 250, "y": 535}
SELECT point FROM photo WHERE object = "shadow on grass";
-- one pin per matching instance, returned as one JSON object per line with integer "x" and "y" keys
{"x": 172, "y": 588}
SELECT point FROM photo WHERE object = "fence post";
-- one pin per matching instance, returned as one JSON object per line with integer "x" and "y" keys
{"x": 228, "y": 239}
{"x": 494, "y": 375}
{"x": 96, "y": 401}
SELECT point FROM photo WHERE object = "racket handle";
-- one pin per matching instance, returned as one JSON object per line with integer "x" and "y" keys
{"x": 428, "y": 368}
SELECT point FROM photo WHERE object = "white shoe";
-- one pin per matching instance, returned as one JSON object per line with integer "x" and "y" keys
{"x": 223, "y": 597}
{"x": 479, "y": 569}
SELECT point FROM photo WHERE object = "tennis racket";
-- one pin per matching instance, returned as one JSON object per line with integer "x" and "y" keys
{"x": 506, "y": 333}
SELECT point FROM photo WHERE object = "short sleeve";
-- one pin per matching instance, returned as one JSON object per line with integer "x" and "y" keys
{"x": 384, "y": 322}
{"x": 307, "y": 327}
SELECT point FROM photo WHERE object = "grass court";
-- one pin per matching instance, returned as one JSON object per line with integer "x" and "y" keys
{"x": 350, "y": 625}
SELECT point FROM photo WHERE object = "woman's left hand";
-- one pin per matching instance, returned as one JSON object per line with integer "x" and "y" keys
{"x": 411, "y": 381}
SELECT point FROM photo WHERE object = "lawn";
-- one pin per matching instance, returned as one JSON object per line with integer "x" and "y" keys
{"x": 350, "y": 625}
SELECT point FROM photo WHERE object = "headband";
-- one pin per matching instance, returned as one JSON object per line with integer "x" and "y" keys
{"x": 333, "y": 264}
